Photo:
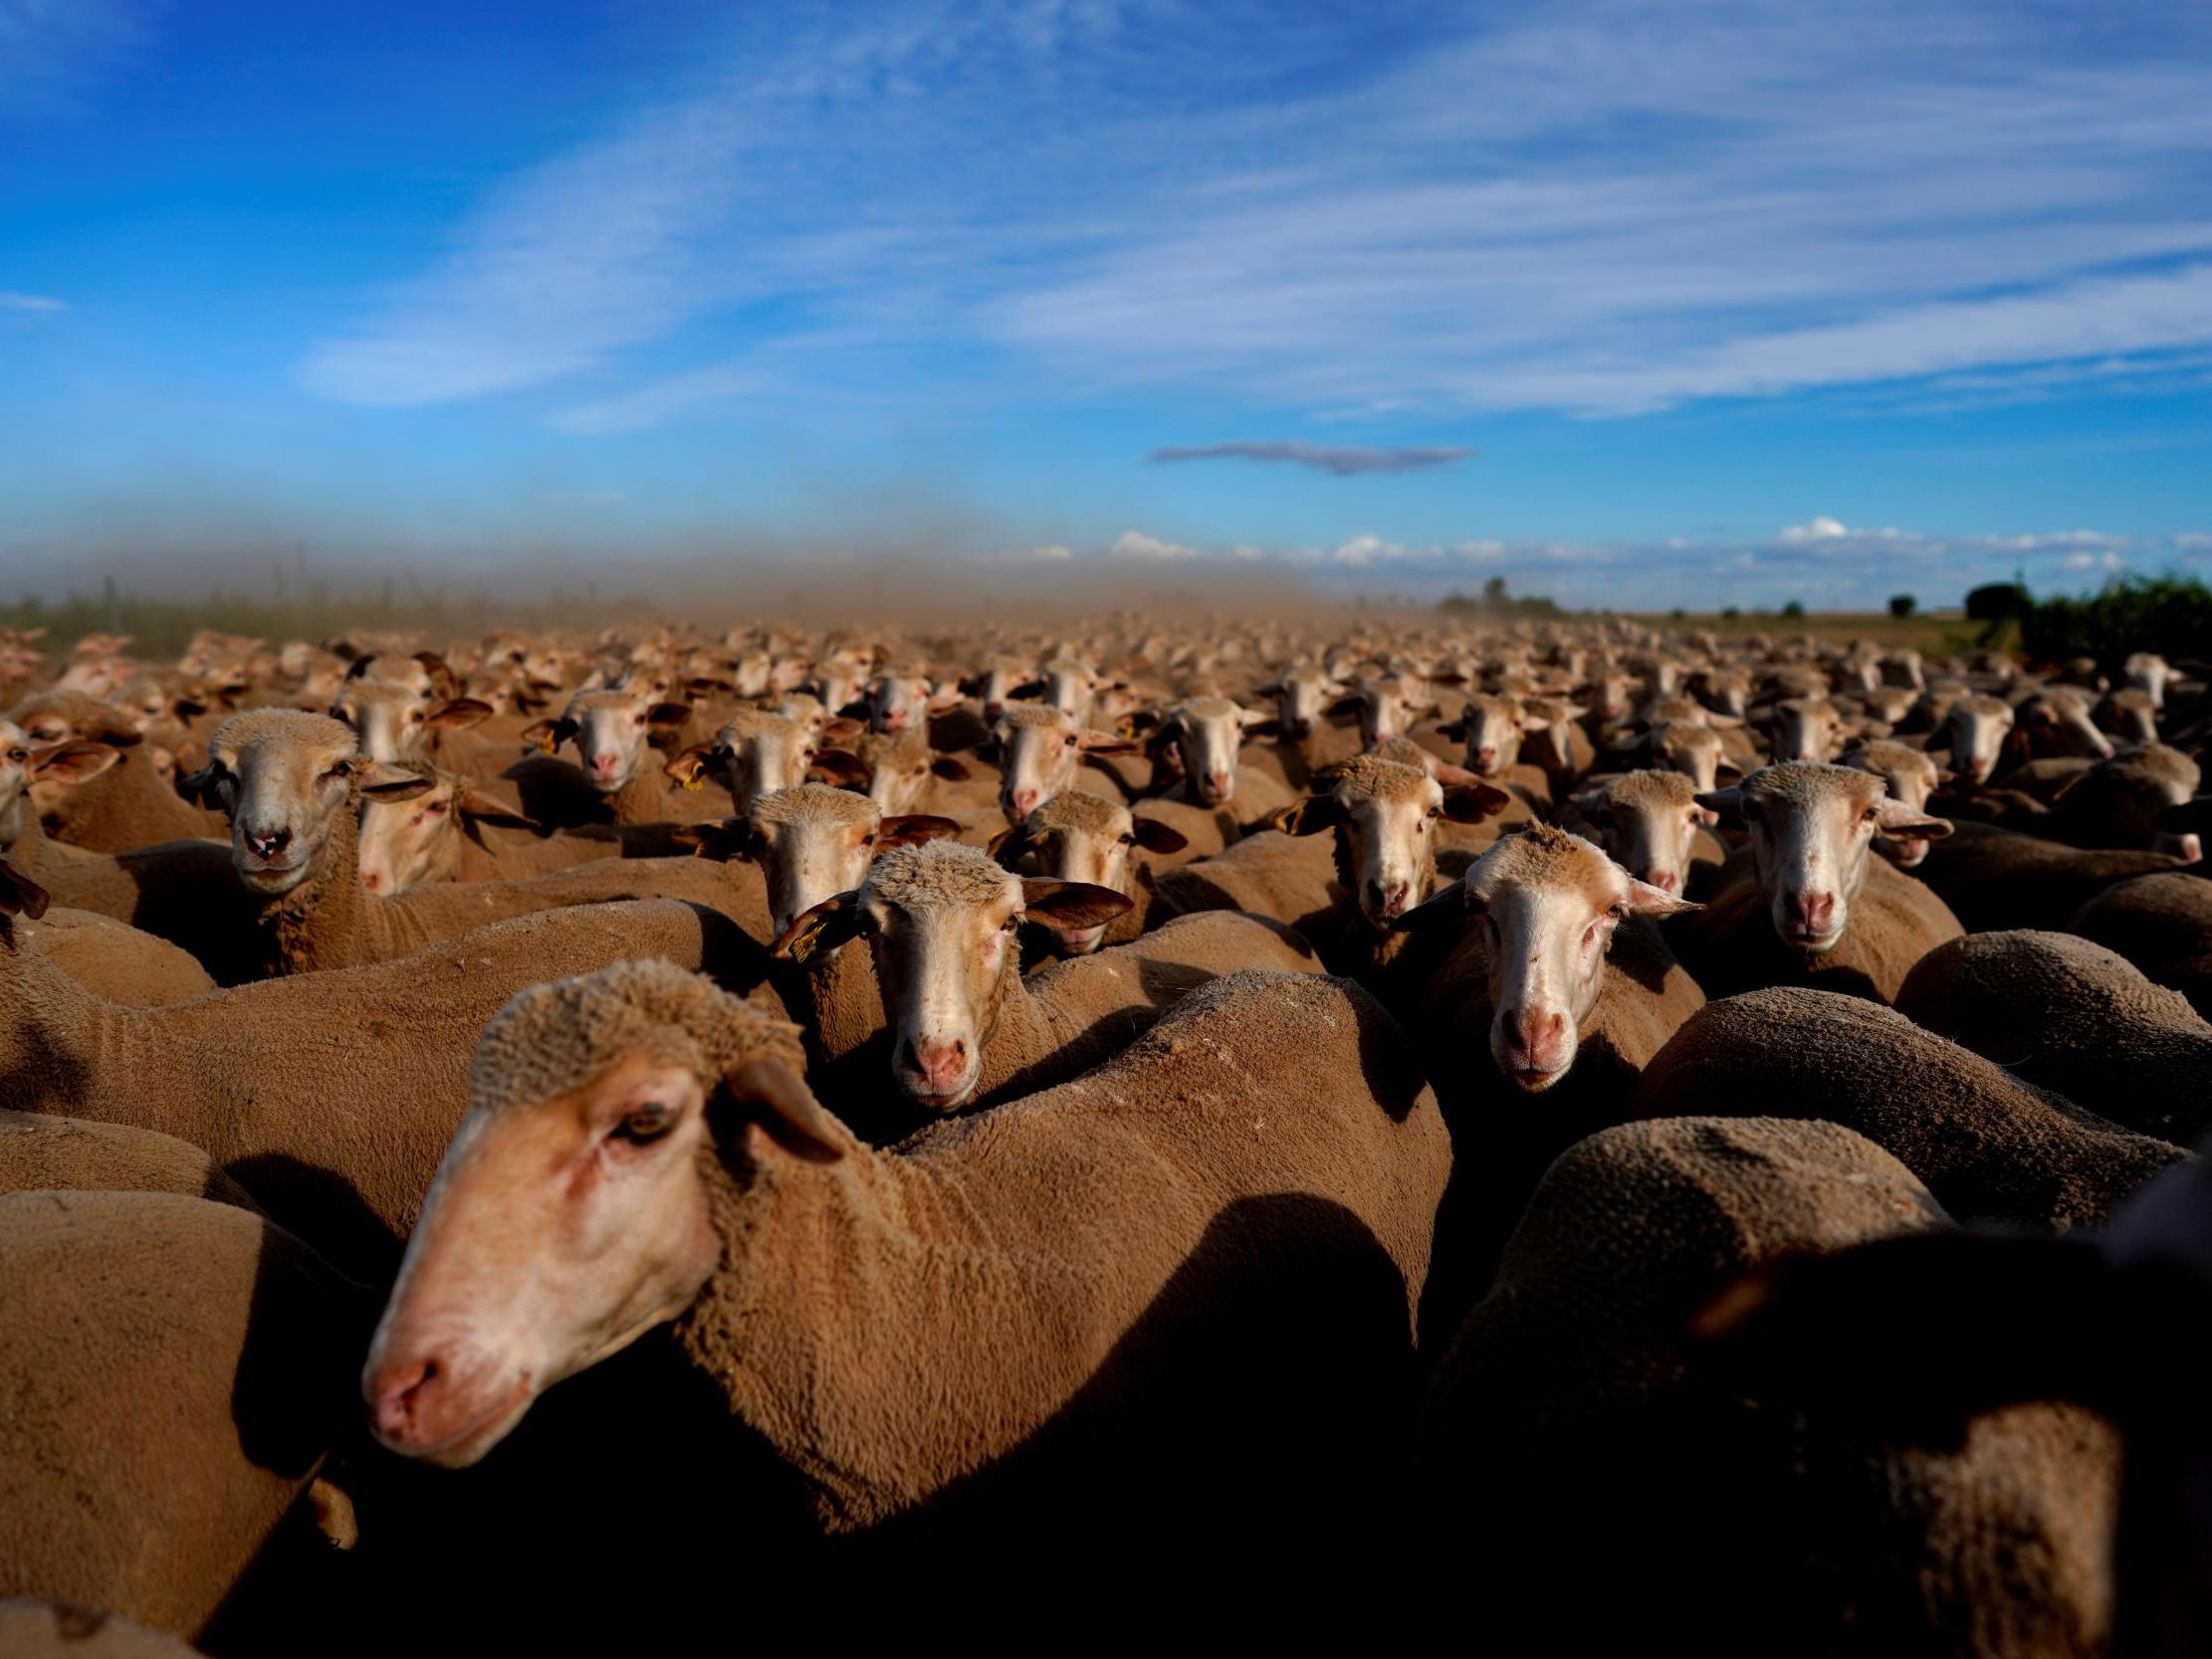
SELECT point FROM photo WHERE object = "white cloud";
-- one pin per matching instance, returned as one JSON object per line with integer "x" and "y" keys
{"x": 2194, "y": 540}
{"x": 1815, "y": 530}
{"x": 1052, "y": 553}
{"x": 2092, "y": 562}
{"x": 37, "y": 302}
{"x": 1136, "y": 544}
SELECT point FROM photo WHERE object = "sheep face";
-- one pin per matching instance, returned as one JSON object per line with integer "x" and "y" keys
{"x": 1386, "y": 708}
{"x": 1548, "y": 904}
{"x": 410, "y": 843}
{"x": 2056, "y": 722}
{"x": 1647, "y": 822}
{"x": 900, "y": 768}
{"x": 1073, "y": 685}
{"x": 2148, "y": 673}
{"x": 1911, "y": 778}
{"x": 899, "y": 703}
{"x": 286, "y": 778}
{"x": 1040, "y": 749}
{"x": 812, "y": 842}
{"x": 1301, "y": 698}
{"x": 1085, "y": 839}
{"x": 1805, "y": 729}
{"x": 552, "y": 1238}
{"x": 386, "y": 719}
{"x": 2129, "y": 715}
{"x": 1976, "y": 728}
{"x": 612, "y": 732}
{"x": 1811, "y": 827}
{"x": 760, "y": 754}
{"x": 1495, "y": 727}
{"x": 1384, "y": 816}
{"x": 1206, "y": 734}
{"x": 1695, "y": 752}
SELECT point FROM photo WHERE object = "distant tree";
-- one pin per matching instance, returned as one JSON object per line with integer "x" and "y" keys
{"x": 1458, "y": 604}
{"x": 1676, "y": 614}
{"x": 1998, "y": 602}
{"x": 1902, "y": 605}
{"x": 1795, "y": 608}
{"x": 1493, "y": 593}
{"x": 1728, "y": 613}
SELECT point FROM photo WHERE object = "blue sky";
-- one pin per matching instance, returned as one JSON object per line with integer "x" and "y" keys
{"x": 1646, "y": 303}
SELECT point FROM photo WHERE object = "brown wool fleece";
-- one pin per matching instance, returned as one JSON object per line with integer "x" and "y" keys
{"x": 37, "y": 1630}
{"x": 1996, "y": 878}
{"x": 1989, "y": 1146}
{"x": 330, "y": 1096}
{"x": 175, "y": 1371}
{"x": 113, "y": 960}
{"x": 2073, "y": 1017}
{"x": 1736, "y": 1519}
{"x": 2164, "y": 924}
{"x": 1732, "y": 947}
{"x": 1008, "y": 1257}
{"x": 70, "y": 1155}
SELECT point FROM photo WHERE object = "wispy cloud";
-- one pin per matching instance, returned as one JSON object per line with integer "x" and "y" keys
{"x": 51, "y": 51}
{"x": 36, "y": 304}
{"x": 1588, "y": 207}
{"x": 1343, "y": 462}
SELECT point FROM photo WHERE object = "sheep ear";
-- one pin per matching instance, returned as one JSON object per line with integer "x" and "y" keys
{"x": 203, "y": 787}
{"x": 380, "y": 781}
{"x": 1591, "y": 803}
{"x": 1642, "y": 899}
{"x": 689, "y": 768}
{"x": 732, "y": 838}
{"x": 1728, "y": 802}
{"x": 841, "y": 766}
{"x": 1009, "y": 845}
{"x": 1727, "y": 771}
{"x": 549, "y": 735}
{"x": 1028, "y": 689}
{"x": 840, "y": 728}
{"x": 1456, "y": 730}
{"x": 1893, "y": 817}
{"x": 1307, "y": 817}
{"x": 479, "y": 808}
{"x": 1573, "y": 712}
{"x": 778, "y": 1099}
{"x": 824, "y": 928}
{"x": 914, "y": 828}
{"x": 187, "y": 707}
{"x": 2189, "y": 815}
{"x": 21, "y": 896}
{"x": 1453, "y": 679}
{"x": 1261, "y": 725}
{"x": 1068, "y": 906}
{"x": 1722, "y": 723}
{"x": 668, "y": 717}
{"x": 458, "y": 715}
{"x": 77, "y": 762}
{"x": 1470, "y": 803}
{"x": 1342, "y": 707}
{"x": 1140, "y": 719}
{"x": 1103, "y": 742}
{"x": 1155, "y": 837}
{"x": 441, "y": 672}
{"x": 950, "y": 770}
{"x": 1449, "y": 904}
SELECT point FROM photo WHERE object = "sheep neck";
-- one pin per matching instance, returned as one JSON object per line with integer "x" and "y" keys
{"x": 63, "y": 1050}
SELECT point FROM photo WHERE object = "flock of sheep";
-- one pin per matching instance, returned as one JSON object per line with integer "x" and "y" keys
{"x": 1623, "y": 1142}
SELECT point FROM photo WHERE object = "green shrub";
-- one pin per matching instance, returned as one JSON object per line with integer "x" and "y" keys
{"x": 2171, "y": 615}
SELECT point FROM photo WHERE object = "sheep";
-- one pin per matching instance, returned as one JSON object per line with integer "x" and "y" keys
{"x": 965, "y": 1030}
{"x": 1651, "y": 825}
{"x": 1072, "y": 1309}
{"x": 2073, "y": 1017}
{"x": 67, "y": 1154}
{"x": 1975, "y": 730}
{"x": 130, "y": 804}
{"x": 901, "y": 769}
{"x": 2150, "y": 674}
{"x": 2128, "y": 715}
{"x": 1989, "y": 1146}
{"x": 1386, "y": 818}
{"x": 1199, "y": 738}
{"x": 901, "y": 700}
{"x": 1386, "y": 705}
{"x": 2160, "y": 923}
{"x": 1970, "y": 1324}
{"x": 1909, "y": 777}
{"x": 398, "y": 723}
{"x": 1082, "y": 837}
{"x": 1493, "y": 729}
{"x": 381, "y": 1050}
{"x": 758, "y": 752}
{"x": 1782, "y": 911}
{"x": 456, "y": 832}
{"x": 1039, "y": 750}
{"x": 1576, "y": 1420}
{"x": 109, "y": 958}
{"x": 2056, "y": 720}
{"x": 1807, "y": 729}
{"x": 1995, "y": 879}
{"x": 293, "y": 785}
{"x": 612, "y": 732}
{"x": 176, "y": 1372}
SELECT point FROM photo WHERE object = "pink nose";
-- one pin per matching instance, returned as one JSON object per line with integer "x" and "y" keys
{"x": 605, "y": 764}
{"x": 1485, "y": 759}
{"x": 373, "y": 879}
{"x": 895, "y": 720}
{"x": 1217, "y": 785}
{"x": 1811, "y": 913}
{"x": 1023, "y": 802}
{"x": 942, "y": 1066}
{"x": 403, "y": 1403}
{"x": 1665, "y": 880}
{"x": 1389, "y": 897}
{"x": 1539, "y": 1040}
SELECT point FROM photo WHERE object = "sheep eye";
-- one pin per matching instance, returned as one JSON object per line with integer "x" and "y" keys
{"x": 868, "y": 840}
{"x": 19, "y": 754}
{"x": 647, "y": 1123}
{"x": 1070, "y": 743}
{"x": 337, "y": 774}
{"x": 1869, "y": 816}
{"x": 435, "y": 808}
{"x": 1011, "y": 924}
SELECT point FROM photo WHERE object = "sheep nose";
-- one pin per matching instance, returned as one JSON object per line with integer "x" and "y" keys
{"x": 1812, "y": 913}
{"x": 268, "y": 844}
{"x": 373, "y": 879}
{"x": 895, "y": 720}
{"x": 1389, "y": 897}
{"x": 1665, "y": 880}
{"x": 606, "y": 763}
{"x": 1023, "y": 803}
{"x": 942, "y": 1066}
{"x": 1537, "y": 1038}
{"x": 1218, "y": 785}
{"x": 400, "y": 1399}
{"x": 1485, "y": 759}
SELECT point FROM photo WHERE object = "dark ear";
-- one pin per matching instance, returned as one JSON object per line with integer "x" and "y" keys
{"x": 203, "y": 788}
{"x": 187, "y": 707}
{"x": 1728, "y": 802}
{"x": 841, "y": 766}
{"x": 732, "y": 838}
{"x": 19, "y": 895}
{"x": 359, "y": 670}
{"x": 479, "y": 808}
{"x": 1028, "y": 689}
{"x": 840, "y": 728}
{"x": 1449, "y": 904}
{"x": 1267, "y": 726}
{"x": 824, "y": 928}
{"x": 1918, "y": 1333}
{"x": 378, "y": 781}
{"x": 443, "y": 680}
{"x": 987, "y": 751}
{"x": 1069, "y": 906}
{"x": 458, "y": 715}
{"x": 1447, "y": 679}
{"x": 550, "y": 734}
{"x": 1009, "y": 845}
{"x": 1341, "y": 706}
{"x": 1155, "y": 837}
{"x": 1140, "y": 720}
{"x": 912, "y": 829}
{"x": 1727, "y": 771}
{"x": 668, "y": 717}
{"x": 1456, "y": 730}
{"x": 950, "y": 769}
{"x": 779, "y": 1100}
{"x": 1470, "y": 803}
{"x": 2189, "y": 815}
{"x": 972, "y": 685}
{"x": 1307, "y": 817}
{"x": 77, "y": 762}
{"x": 690, "y": 767}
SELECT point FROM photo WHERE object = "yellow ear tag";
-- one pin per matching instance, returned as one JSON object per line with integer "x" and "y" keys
{"x": 694, "y": 783}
